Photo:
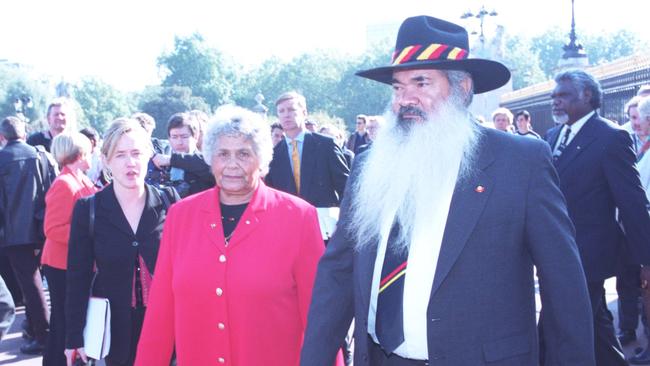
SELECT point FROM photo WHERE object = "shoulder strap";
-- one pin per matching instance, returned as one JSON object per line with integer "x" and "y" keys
{"x": 91, "y": 216}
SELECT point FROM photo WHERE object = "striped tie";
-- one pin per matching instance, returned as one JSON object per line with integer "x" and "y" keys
{"x": 560, "y": 149}
{"x": 295, "y": 158}
{"x": 389, "y": 323}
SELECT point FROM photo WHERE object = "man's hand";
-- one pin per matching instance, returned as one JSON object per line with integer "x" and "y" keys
{"x": 160, "y": 160}
{"x": 72, "y": 354}
{"x": 645, "y": 278}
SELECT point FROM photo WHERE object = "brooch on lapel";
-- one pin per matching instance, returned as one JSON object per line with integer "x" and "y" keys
{"x": 479, "y": 189}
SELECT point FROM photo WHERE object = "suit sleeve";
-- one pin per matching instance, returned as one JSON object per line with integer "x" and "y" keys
{"x": 332, "y": 304}
{"x": 157, "y": 338}
{"x": 629, "y": 196}
{"x": 193, "y": 164}
{"x": 550, "y": 237}
{"x": 59, "y": 202}
{"x": 338, "y": 168}
{"x": 79, "y": 274}
{"x": 304, "y": 269}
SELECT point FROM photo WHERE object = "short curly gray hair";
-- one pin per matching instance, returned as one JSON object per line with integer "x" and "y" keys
{"x": 236, "y": 121}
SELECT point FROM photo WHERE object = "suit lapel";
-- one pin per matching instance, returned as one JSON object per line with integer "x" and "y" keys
{"x": 467, "y": 204}
{"x": 580, "y": 142}
{"x": 307, "y": 163}
{"x": 113, "y": 210}
{"x": 211, "y": 226}
{"x": 284, "y": 177}
{"x": 553, "y": 134}
{"x": 150, "y": 219}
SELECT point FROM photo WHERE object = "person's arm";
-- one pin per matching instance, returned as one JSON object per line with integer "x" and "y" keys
{"x": 79, "y": 274}
{"x": 304, "y": 269}
{"x": 338, "y": 168}
{"x": 193, "y": 164}
{"x": 550, "y": 238}
{"x": 630, "y": 198}
{"x": 7, "y": 309}
{"x": 157, "y": 338}
{"x": 332, "y": 305}
{"x": 59, "y": 202}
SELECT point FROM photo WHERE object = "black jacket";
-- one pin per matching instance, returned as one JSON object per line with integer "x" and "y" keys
{"x": 323, "y": 171}
{"x": 113, "y": 250}
{"x": 197, "y": 172}
{"x": 22, "y": 193}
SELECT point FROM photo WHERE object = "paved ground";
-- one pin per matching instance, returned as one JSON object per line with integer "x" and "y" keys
{"x": 10, "y": 353}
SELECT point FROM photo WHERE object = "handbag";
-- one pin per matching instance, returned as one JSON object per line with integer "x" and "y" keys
{"x": 97, "y": 332}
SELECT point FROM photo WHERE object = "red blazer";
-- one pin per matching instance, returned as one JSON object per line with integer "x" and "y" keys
{"x": 66, "y": 189}
{"x": 245, "y": 304}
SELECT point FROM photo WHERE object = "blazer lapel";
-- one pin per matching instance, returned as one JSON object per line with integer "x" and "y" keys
{"x": 467, "y": 204}
{"x": 283, "y": 180}
{"x": 580, "y": 142}
{"x": 552, "y": 136}
{"x": 211, "y": 226}
{"x": 113, "y": 210}
{"x": 307, "y": 163}
{"x": 150, "y": 218}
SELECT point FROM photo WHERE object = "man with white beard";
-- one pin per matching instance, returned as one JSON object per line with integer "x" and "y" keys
{"x": 442, "y": 225}
{"x": 596, "y": 164}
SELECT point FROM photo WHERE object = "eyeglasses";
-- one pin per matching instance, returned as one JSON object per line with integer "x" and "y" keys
{"x": 180, "y": 137}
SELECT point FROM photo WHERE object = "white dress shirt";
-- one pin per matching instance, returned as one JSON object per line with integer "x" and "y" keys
{"x": 575, "y": 128}
{"x": 421, "y": 268}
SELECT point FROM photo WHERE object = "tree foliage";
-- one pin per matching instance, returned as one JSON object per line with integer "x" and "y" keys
{"x": 208, "y": 72}
{"x": 16, "y": 83}
{"x": 101, "y": 103}
{"x": 162, "y": 102}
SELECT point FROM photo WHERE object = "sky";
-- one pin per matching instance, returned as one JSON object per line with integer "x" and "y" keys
{"x": 119, "y": 41}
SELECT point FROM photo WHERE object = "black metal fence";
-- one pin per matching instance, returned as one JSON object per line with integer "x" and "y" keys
{"x": 620, "y": 81}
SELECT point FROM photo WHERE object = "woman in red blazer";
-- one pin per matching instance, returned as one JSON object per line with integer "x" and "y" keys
{"x": 73, "y": 152}
{"x": 236, "y": 264}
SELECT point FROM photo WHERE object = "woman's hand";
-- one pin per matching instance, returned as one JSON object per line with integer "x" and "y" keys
{"x": 72, "y": 354}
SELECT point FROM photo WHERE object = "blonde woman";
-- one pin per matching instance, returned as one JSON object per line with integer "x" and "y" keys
{"x": 72, "y": 151}
{"x": 121, "y": 243}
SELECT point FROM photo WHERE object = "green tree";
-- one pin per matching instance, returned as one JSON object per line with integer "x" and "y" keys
{"x": 525, "y": 68}
{"x": 16, "y": 83}
{"x": 101, "y": 103}
{"x": 209, "y": 73}
{"x": 162, "y": 102}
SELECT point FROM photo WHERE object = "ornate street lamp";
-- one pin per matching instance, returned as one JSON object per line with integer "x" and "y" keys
{"x": 481, "y": 15}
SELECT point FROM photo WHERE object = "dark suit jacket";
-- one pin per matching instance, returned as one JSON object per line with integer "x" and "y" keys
{"x": 114, "y": 250}
{"x": 22, "y": 193}
{"x": 323, "y": 171}
{"x": 482, "y": 302}
{"x": 597, "y": 176}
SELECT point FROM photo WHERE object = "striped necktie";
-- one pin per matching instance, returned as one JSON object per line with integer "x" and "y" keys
{"x": 295, "y": 158}
{"x": 560, "y": 149}
{"x": 389, "y": 323}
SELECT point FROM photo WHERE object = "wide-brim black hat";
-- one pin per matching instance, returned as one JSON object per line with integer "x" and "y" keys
{"x": 425, "y": 42}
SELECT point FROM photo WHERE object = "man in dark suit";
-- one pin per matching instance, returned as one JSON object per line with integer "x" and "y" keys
{"x": 306, "y": 164}
{"x": 436, "y": 243}
{"x": 595, "y": 161}
{"x": 22, "y": 191}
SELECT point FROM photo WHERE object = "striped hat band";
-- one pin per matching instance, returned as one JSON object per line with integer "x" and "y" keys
{"x": 434, "y": 51}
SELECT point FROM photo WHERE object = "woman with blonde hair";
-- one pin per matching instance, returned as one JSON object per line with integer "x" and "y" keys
{"x": 117, "y": 232}
{"x": 72, "y": 151}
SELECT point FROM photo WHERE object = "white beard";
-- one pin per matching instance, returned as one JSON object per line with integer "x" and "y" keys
{"x": 410, "y": 169}
{"x": 560, "y": 118}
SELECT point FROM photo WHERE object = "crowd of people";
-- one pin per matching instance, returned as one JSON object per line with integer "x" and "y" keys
{"x": 209, "y": 246}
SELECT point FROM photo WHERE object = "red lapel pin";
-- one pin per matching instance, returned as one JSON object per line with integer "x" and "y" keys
{"x": 479, "y": 189}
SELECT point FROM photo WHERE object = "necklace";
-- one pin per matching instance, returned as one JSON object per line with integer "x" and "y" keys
{"x": 227, "y": 239}
{"x": 231, "y": 219}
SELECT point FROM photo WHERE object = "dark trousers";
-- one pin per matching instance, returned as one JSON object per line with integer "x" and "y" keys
{"x": 137, "y": 318}
{"x": 628, "y": 288}
{"x": 608, "y": 349}
{"x": 53, "y": 354}
{"x": 25, "y": 265}
{"x": 379, "y": 358}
